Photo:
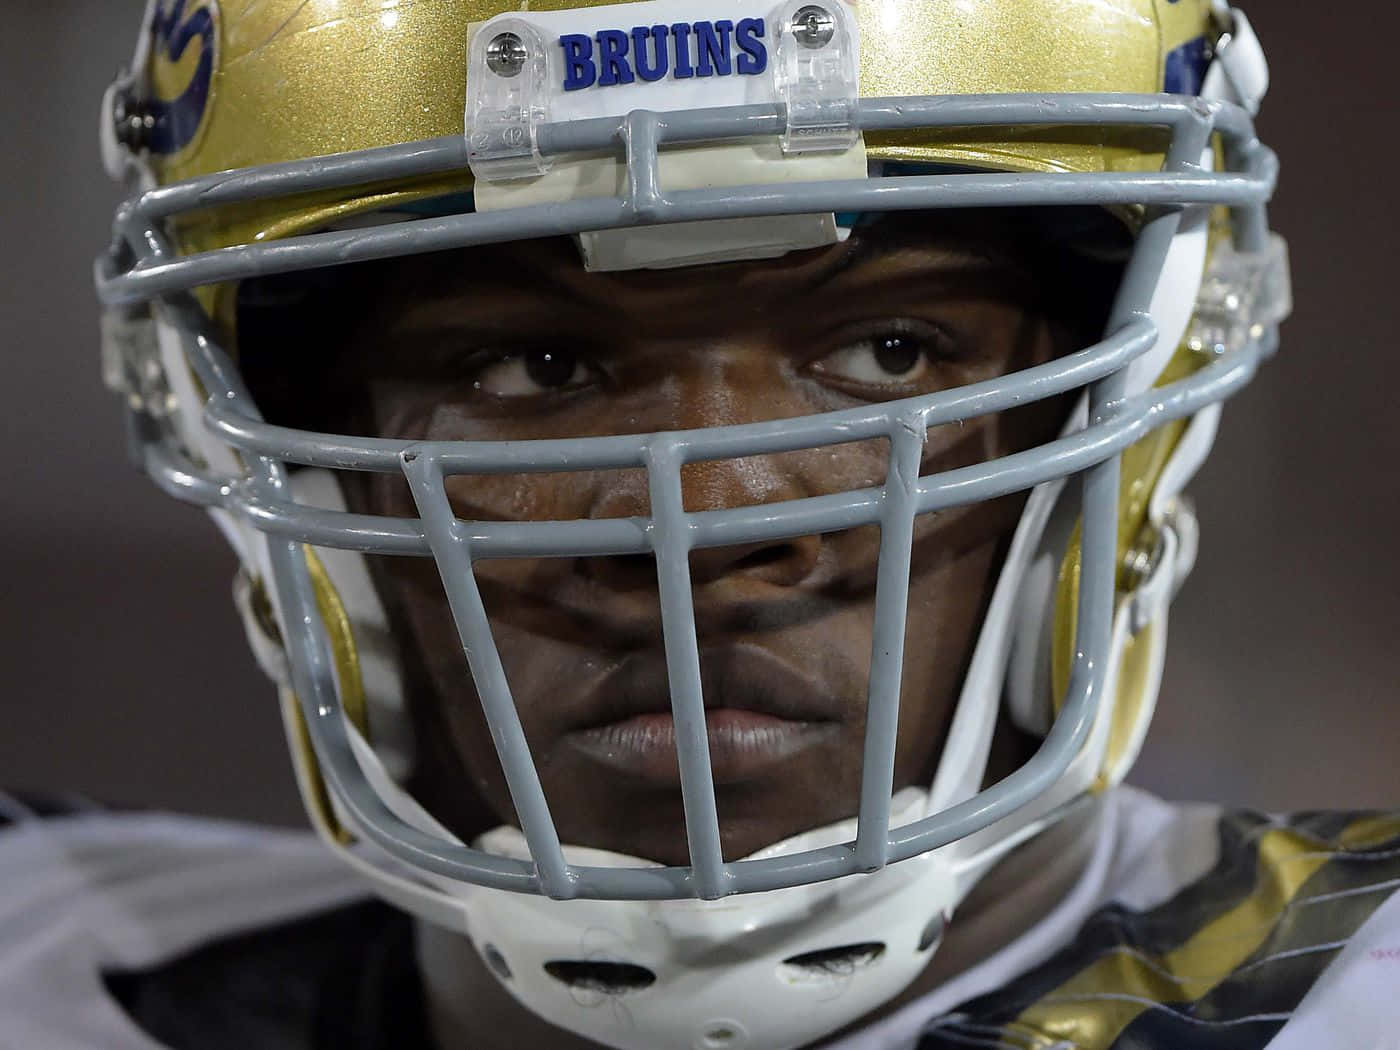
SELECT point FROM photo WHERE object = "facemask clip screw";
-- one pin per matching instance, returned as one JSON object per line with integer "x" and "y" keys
{"x": 813, "y": 26}
{"x": 506, "y": 55}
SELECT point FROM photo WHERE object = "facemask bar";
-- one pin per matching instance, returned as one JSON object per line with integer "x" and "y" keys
{"x": 1115, "y": 421}
{"x": 1247, "y": 183}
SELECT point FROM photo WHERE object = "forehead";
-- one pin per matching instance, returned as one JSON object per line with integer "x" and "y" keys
{"x": 891, "y": 247}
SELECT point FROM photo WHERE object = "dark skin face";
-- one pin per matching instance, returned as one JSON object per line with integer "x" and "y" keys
{"x": 518, "y": 342}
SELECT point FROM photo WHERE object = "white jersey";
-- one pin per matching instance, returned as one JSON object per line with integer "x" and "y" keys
{"x": 1191, "y": 927}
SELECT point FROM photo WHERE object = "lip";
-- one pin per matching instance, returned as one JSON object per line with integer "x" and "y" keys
{"x": 758, "y": 712}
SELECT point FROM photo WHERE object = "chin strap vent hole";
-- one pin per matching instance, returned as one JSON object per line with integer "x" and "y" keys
{"x": 831, "y": 963}
{"x": 722, "y": 1035}
{"x": 933, "y": 932}
{"x": 496, "y": 961}
{"x": 606, "y": 978}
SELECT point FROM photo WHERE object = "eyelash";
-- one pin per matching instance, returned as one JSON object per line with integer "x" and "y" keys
{"x": 478, "y": 362}
{"x": 937, "y": 345}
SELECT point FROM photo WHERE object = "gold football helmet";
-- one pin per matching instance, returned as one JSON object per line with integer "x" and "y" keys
{"x": 279, "y": 136}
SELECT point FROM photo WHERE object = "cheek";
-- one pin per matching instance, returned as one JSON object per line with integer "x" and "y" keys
{"x": 526, "y": 497}
{"x": 947, "y": 601}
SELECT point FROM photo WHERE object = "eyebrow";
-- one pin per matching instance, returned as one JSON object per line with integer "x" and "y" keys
{"x": 536, "y": 275}
{"x": 957, "y": 258}
{"x": 526, "y": 268}
{"x": 868, "y": 250}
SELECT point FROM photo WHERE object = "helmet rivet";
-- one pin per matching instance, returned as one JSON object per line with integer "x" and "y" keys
{"x": 813, "y": 26}
{"x": 506, "y": 55}
{"x": 1140, "y": 560}
{"x": 133, "y": 122}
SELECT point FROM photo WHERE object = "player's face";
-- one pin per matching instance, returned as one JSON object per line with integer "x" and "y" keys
{"x": 518, "y": 342}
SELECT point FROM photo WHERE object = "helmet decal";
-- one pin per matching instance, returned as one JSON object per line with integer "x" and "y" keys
{"x": 614, "y": 65}
{"x": 1184, "y": 70}
{"x": 181, "y": 34}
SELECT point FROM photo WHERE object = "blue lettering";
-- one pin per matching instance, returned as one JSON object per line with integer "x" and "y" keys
{"x": 680, "y": 32}
{"x": 579, "y": 70}
{"x": 658, "y": 36}
{"x": 712, "y": 48}
{"x": 721, "y": 50}
{"x": 612, "y": 58}
{"x": 754, "y": 58}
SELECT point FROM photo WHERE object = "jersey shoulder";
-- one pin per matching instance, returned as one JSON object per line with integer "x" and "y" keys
{"x": 1286, "y": 941}
{"x": 342, "y": 979}
{"x": 136, "y": 903}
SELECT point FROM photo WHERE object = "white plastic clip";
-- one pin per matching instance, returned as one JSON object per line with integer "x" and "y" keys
{"x": 815, "y": 76}
{"x": 1242, "y": 296}
{"x": 116, "y": 154}
{"x": 131, "y": 364}
{"x": 1240, "y": 72}
{"x": 507, "y": 101}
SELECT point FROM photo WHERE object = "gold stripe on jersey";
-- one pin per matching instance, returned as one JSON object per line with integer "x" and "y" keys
{"x": 1093, "y": 1007}
{"x": 1370, "y": 831}
{"x": 1091, "y": 1010}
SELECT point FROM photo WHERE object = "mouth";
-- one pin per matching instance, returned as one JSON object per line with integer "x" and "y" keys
{"x": 759, "y": 712}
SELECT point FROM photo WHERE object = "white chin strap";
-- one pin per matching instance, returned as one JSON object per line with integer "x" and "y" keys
{"x": 765, "y": 970}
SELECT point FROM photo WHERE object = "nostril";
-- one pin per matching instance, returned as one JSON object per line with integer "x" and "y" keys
{"x": 635, "y": 567}
{"x": 785, "y": 562}
{"x": 764, "y": 556}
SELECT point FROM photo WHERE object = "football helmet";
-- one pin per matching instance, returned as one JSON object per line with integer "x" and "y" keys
{"x": 288, "y": 136}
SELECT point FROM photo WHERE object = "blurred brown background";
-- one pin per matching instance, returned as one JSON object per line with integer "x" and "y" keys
{"x": 125, "y": 673}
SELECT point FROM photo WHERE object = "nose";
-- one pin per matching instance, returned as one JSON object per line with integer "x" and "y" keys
{"x": 721, "y": 485}
{"x": 780, "y": 563}
{"x": 715, "y": 385}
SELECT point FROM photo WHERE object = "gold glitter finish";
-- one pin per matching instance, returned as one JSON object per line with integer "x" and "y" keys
{"x": 306, "y": 78}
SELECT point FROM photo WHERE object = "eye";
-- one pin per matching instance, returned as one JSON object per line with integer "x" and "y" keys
{"x": 532, "y": 372}
{"x": 893, "y": 359}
